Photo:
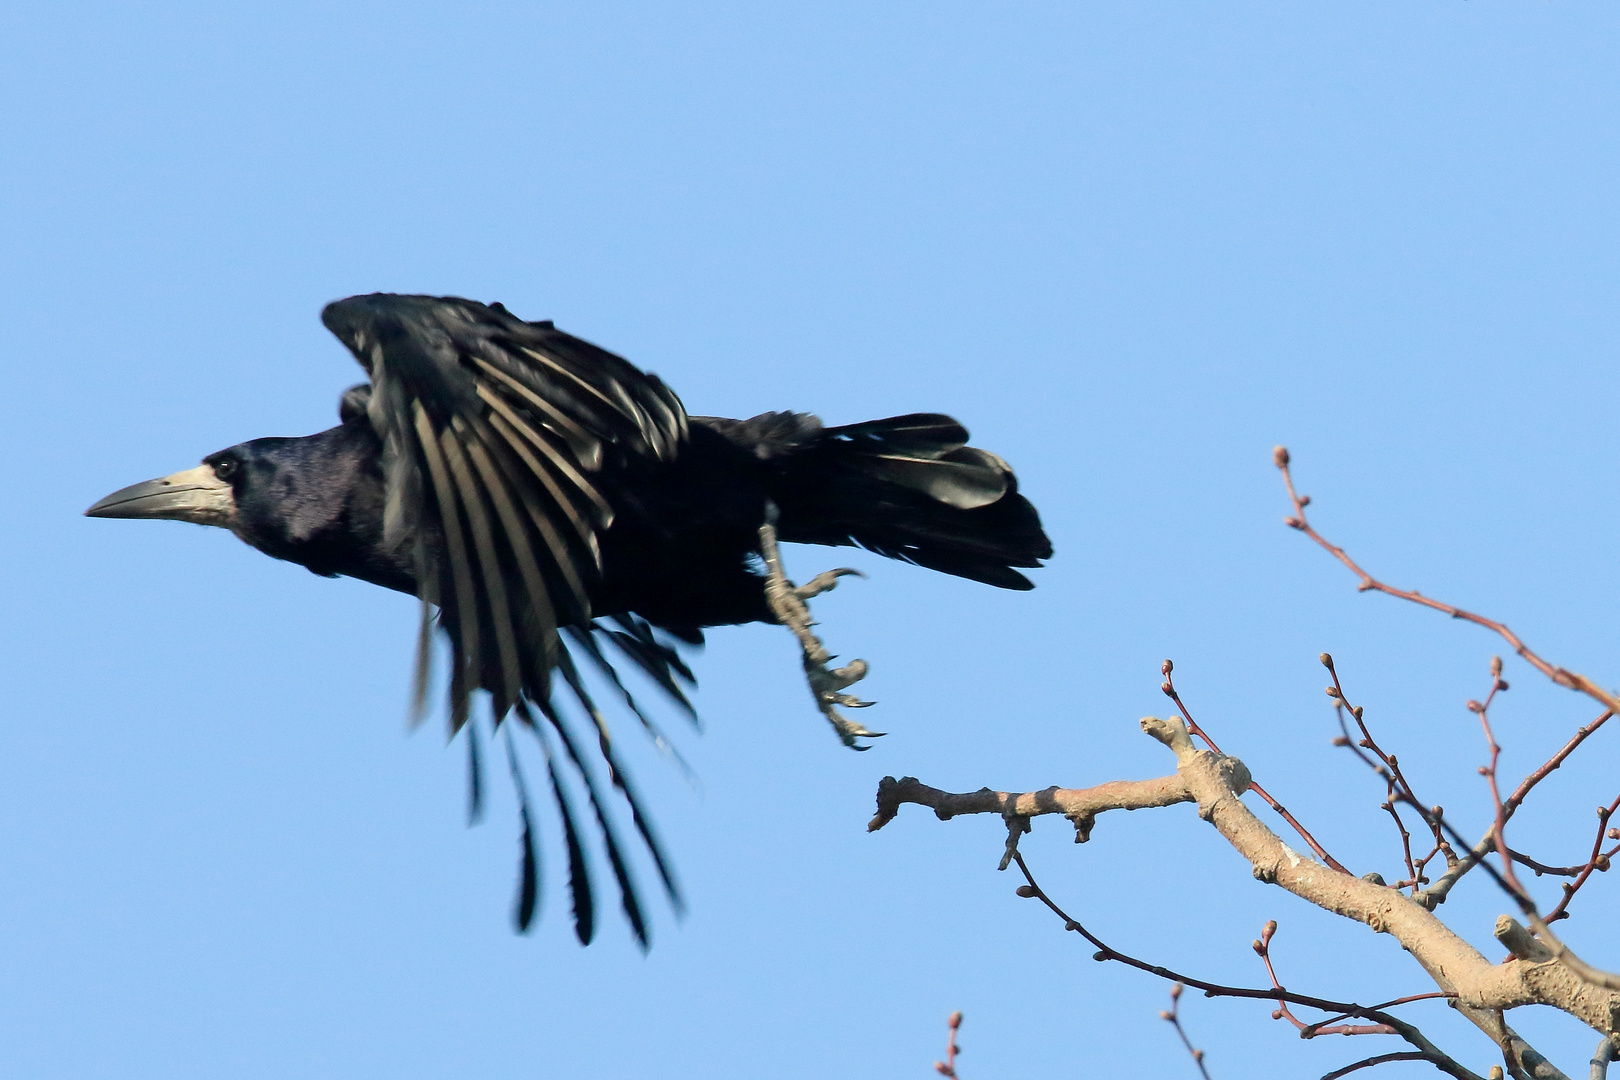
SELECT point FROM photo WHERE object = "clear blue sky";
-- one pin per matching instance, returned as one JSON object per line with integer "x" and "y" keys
{"x": 1132, "y": 246}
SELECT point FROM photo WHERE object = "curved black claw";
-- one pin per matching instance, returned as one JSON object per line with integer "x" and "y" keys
{"x": 826, "y": 581}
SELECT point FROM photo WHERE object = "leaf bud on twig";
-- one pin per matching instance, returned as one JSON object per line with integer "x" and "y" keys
{"x": 1496, "y": 667}
{"x": 1356, "y": 712}
{"x": 1279, "y": 457}
{"x": 1340, "y": 740}
{"x": 1168, "y": 690}
{"x": 1327, "y": 660}
{"x": 1026, "y": 891}
{"x": 1474, "y": 706}
{"x": 955, "y": 1021}
{"x": 1333, "y": 692}
{"x": 1167, "y": 667}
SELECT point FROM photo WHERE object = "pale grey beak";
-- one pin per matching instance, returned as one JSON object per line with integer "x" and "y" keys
{"x": 196, "y": 495}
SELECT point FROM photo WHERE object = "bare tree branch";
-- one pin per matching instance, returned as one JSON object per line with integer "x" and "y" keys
{"x": 1080, "y": 805}
{"x": 1483, "y": 991}
{"x": 1540, "y": 970}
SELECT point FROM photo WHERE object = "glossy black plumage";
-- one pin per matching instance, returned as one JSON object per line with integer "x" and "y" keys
{"x": 557, "y": 506}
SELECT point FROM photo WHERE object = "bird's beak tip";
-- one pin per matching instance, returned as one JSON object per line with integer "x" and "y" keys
{"x": 195, "y": 495}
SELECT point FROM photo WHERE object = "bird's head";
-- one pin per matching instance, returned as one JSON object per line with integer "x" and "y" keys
{"x": 316, "y": 500}
{"x": 270, "y": 492}
{"x": 261, "y": 488}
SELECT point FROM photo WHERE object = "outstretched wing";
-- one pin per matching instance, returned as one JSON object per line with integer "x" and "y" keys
{"x": 496, "y": 433}
{"x": 499, "y": 437}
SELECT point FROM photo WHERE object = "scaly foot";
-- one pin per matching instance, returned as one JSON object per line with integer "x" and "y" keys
{"x": 787, "y": 603}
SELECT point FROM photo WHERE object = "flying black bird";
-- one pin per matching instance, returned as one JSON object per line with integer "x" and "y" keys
{"x": 554, "y": 503}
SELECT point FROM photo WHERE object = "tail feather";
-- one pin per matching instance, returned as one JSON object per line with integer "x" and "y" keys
{"x": 909, "y": 487}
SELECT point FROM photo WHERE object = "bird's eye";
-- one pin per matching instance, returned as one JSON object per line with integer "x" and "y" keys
{"x": 225, "y": 469}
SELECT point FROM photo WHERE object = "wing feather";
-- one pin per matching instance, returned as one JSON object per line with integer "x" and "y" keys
{"x": 509, "y": 677}
{"x": 528, "y": 570}
{"x": 460, "y": 603}
{"x": 510, "y": 424}
{"x": 502, "y": 442}
{"x": 579, "y": 874}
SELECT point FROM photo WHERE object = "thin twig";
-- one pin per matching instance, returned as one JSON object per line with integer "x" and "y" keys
{"x": 948, "y": 1066}
{"x": 1169, "y": 688}
{"x": 1367, "y": 1063}
{"x": 1599, "y": 860}
{"x": 1410, "y": 1032}
{"x": 1173, "y": 1014}
{"x": 1561, "y": 676}
{"x": 1436, "y": 894}
{"x": 1262, "y": 946}
{"x": 1388, "y": 768}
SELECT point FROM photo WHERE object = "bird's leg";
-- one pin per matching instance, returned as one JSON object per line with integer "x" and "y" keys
{"x": 787, "y": 603}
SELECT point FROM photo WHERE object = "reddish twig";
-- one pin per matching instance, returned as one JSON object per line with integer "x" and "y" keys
{"x": 1368, "y": 583}
{"x": 1173, "y": 1014}
{"x": 1482, "y": 709}
{"x": 1397, "y": 788}
{"x": 948, "y": 1066}
{"x": 1541, "y": 868}
{"x": 1321, "y": 1026}
{"x": 1262, "y": 946}
{"x": 1599, "y": 860}
{"x": 1436, "y": 895}
{"x": 1169, "y": 688}
{"x": 1554, "y": 762}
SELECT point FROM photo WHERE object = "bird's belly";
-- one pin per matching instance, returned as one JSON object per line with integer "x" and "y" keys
{"x": 689, "y": 579}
